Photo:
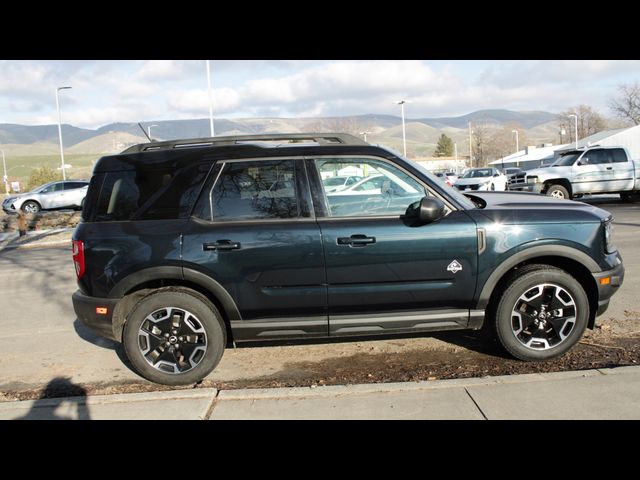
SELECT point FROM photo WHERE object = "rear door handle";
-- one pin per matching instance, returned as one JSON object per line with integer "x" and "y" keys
{"x": 356, "y": 240}
{"x": 609, "y": 168}
{"x": 221, "y": 245}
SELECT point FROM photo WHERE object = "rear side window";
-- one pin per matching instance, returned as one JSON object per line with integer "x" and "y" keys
{"x": 146, "y": 193}
{"x": 74, "y": 185}
{"x": 618, "y": 155}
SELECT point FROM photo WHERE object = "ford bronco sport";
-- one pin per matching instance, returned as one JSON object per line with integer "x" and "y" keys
{"x": 186, "y": 247}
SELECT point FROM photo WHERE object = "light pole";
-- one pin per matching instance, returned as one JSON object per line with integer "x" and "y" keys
{"x": 575, "y": 117}
{"x": 365, "y": 135}
{"x": 470, "y": 150}
{"x": 210, "y": 100}
{"x": 517, "y": 143}
{"x": 64, "y": 175}
{"x": 404, "y": 137}
{"x": 149, "y": 131}
{"x": 5, "y": 178}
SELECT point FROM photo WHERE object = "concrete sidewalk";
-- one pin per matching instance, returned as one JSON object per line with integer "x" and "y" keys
{"x": 586, "y": 395}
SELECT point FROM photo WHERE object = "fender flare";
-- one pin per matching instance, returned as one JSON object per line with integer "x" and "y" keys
{"x": 181, "y": 274}
{"x": 527, "y": 254}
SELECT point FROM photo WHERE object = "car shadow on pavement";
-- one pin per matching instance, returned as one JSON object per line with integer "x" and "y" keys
{"x": 87, "y": 335}
{"x": 60, "y": 400}
{"x": 479, "y": 341}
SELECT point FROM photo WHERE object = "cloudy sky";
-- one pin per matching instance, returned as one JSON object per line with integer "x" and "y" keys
{"x": 106, "y": 91}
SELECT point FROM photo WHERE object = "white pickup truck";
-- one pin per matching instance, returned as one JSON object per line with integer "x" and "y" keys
{"x": 596, "y": 169}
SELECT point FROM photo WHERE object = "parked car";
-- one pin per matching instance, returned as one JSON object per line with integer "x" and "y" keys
{"x": 579, "y": 172}
{"x": 189, "y": 246}
{"x": 332, "y": 184}
{"x": 445, "y": 178}
{"x": 482, "y": 179}
{"x": 53, "y": 195}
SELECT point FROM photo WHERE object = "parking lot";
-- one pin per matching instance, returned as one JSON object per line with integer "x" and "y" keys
{"x": 41, "y": 339}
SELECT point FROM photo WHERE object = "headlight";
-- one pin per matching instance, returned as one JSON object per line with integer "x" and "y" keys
{"x": 533, "y": 179}
{"x": 608, "y": 236}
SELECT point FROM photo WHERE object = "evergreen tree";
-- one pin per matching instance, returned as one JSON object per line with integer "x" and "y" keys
{"x": 444, "y": 147}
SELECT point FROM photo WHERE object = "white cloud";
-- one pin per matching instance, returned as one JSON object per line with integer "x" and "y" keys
{"x": 196, "y": 101}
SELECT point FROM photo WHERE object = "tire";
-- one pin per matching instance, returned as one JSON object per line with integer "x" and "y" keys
{"x": 558, "y": 191}
{"x": 30, "y": 206}
{"x": 151, "y": 345}
{"x": 528, "y": 329}
{"x": 630, "y": 197}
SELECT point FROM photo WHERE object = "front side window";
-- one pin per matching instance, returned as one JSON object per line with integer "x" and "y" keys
{"x": 595, "y": 157}
{"x": 382, "y": 188}
{"x": 56, "y": 187}
{"x": 252, "y": 190}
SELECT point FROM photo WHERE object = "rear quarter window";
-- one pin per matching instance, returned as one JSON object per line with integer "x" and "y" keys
{"x": 145, "y": 193}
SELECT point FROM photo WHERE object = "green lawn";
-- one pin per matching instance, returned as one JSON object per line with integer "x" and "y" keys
{"x": 19, "y": 167}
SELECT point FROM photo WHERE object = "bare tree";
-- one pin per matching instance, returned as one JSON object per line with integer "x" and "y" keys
{"x": 627, "y": 104}
{"x": 480, "y": 133}
{"x": 503, "y": 141}
{"x": 589, "y": 122}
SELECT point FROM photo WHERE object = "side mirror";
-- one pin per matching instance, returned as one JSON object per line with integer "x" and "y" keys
{"x": 583, "y": 161}
{"x": 427, "y": 210}
{"x": 496, "y": 174}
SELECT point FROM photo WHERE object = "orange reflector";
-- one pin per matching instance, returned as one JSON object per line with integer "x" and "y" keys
{"x": 101, "y": 310}
{"x": 605, "y": 281}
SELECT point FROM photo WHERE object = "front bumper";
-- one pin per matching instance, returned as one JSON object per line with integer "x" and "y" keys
{"x": 525, "y": 187}
{"x": 85, "y": 308}
{"x": 608, "y": 283}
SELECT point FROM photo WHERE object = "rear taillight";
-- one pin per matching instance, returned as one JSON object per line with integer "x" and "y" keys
{"x": 78, "y": 257}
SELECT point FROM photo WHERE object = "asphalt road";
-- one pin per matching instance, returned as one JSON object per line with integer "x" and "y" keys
{"x": 41, "y": 340}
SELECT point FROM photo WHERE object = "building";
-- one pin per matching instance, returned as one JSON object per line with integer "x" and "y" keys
{"x": 533, "y": 157}
{"x": 622, "y": 137}
{"x": 530, "y": 157}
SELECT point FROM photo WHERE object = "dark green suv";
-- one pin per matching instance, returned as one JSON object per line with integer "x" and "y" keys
{"x": 189, "y": 246}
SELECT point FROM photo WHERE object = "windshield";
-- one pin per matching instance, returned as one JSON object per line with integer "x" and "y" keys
{"x": 567, "y": 159}
{"x": 333, "y": 181}
{"x": 478, "y": 172}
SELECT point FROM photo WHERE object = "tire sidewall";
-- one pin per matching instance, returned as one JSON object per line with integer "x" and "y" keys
{"x": 518, "y": 287}
{"x": 206, "y": 313}
{"x": 30, "y": 202}
{"x": 561, "y": 189}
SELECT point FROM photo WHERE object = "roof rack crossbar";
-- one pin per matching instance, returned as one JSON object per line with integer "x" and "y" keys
{"x": 319, "y": 138}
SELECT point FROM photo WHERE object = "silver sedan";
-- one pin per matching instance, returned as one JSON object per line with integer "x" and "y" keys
{"x": 67, "y": 194}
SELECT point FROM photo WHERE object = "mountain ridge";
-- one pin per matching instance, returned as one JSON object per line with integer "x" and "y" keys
{"x": 195, "y": 128}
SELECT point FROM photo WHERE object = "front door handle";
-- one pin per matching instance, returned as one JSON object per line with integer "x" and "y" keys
{"x": 609, "y": 168}
{"x": 356, "y": 240}
{"x": 221, "y": 245}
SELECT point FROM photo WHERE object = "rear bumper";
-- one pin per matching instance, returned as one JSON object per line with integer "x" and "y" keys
{"x": 85, "y": 308}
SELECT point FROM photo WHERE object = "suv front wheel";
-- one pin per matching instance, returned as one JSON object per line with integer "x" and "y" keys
{"x": 542, "y": 313}
{"x": 174, "y": 337}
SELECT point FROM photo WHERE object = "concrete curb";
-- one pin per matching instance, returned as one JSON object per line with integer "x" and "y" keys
{"x": 93, "y": 400}
{"x": 31, "y": 246}
{"x": 340, "y": 390}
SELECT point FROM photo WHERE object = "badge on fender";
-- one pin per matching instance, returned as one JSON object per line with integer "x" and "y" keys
{"x": 454, "y": 267}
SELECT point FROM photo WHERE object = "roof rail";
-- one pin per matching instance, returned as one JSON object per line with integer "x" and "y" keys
{"x": 319, "y": 138}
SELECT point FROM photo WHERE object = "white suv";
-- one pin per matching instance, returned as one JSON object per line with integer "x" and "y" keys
{"x": 67, "y": 194}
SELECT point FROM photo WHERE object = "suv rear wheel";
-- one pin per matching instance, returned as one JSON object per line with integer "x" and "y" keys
{"x": 174, "y": 337}
{"x": 542, "y": 313}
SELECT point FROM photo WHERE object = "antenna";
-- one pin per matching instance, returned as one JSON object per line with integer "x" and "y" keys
{"x": 145, "y": 132}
